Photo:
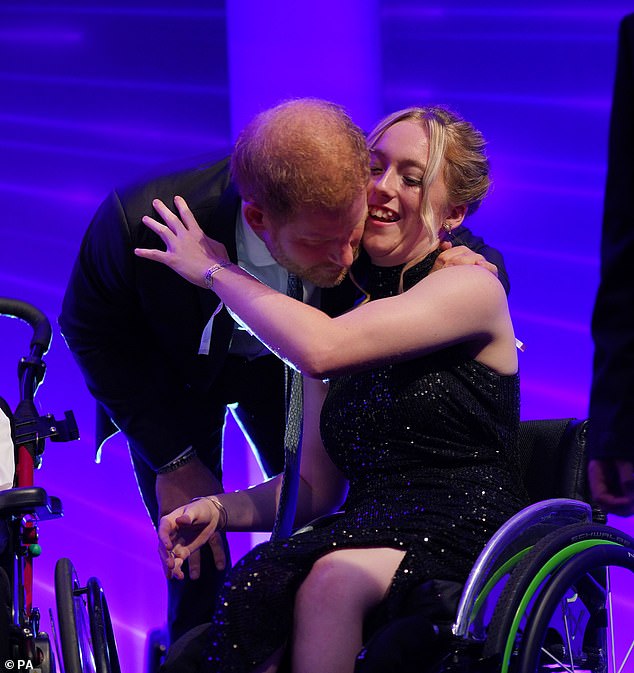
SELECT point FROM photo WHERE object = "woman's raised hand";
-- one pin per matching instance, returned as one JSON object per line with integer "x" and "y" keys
{"x": 188, "y": 251}
{"x": 187, "y": 529}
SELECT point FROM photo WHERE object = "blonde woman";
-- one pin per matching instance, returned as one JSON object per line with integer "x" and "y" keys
{"x": 413, "y": 434}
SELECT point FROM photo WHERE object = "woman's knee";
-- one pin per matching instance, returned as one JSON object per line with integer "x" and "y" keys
{"x": 341, "y": 579}
{"x": 327, "y": 580}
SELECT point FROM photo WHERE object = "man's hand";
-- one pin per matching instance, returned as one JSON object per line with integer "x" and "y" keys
{"x": 612, "y": 485}
{"x": 451, "y": 256}
{"x": 177, "y": 488}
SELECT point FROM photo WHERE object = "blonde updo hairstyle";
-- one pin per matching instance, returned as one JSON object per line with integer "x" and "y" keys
{"x": 457, "y": 148}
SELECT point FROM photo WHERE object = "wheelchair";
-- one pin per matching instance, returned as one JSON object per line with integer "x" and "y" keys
{"x": 540, "y": 595}
{"x": 84, "y": 626}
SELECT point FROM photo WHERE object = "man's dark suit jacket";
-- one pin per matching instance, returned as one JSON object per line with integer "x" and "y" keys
{"x": 134, "y": 326}
{"x": 612, "y": 396}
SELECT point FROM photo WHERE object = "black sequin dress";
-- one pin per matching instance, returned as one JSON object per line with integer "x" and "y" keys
{"x": 429, "y": 448}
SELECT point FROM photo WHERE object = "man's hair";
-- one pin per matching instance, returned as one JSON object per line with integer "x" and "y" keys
{"x": 302, "y": 154}
{"x": 456, "y": 146}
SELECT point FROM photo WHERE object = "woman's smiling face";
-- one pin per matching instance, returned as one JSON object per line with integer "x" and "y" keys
{"x": 394, "y": 231}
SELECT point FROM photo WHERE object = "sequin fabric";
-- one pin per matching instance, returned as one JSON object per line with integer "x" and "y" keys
{"x": 429, "y": 448}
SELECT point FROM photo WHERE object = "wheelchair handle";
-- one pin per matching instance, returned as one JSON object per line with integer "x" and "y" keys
{"x": 42, "y": 332}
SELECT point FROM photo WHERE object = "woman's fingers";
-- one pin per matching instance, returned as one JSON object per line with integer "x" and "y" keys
{"x": 187, "y": 250}
{"x": 167, "y": 232}
{"x": 184, "y": 531}
{"x": 177, "y": 572}
{"x": 172, "y": 221}
{"x": 188, "y": 219}
{"x": 170, "y": 562}
{"x": 166, "y": 531}
{"x": 152, "y": 254}
{"x": 161, "y": 230}
{"x": 173, "y": 553}
{"x": 155, "y": 225}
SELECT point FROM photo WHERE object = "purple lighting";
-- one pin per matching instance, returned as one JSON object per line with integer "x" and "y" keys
{"x": 96, "y": 96}
{"x": 40, "y": 37}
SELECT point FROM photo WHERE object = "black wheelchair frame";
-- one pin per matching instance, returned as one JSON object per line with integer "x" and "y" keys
{"x": 539, "y": 597}
{"x": 85, "y": 628}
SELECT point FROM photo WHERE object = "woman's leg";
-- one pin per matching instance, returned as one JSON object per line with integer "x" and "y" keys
{"x": 333, "y": 601}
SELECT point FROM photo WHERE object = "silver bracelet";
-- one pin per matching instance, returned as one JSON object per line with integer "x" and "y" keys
{"x": 209, "y": 274}
{"x": 221, "y": 510}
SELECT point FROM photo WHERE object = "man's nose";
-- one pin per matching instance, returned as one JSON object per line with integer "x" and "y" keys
{"x": 343, "y": 255}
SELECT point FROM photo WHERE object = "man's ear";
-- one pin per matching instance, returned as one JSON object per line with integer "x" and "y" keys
{"x": 456, "y": 216}
{"x": 254, "y": 215}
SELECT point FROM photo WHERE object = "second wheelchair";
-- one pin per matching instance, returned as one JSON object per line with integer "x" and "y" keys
{"x": 86, "y": 637}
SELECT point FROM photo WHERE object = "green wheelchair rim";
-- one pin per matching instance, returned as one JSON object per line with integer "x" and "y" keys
{"x": 546, "y": 569}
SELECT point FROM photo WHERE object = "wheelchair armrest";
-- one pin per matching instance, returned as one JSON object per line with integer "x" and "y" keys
{"x": 319, "y": 522}
{"x": 520, "y": 531}
{"x": 32, "y": 500}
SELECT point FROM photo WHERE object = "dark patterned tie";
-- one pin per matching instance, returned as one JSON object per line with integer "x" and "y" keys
{"x": 294, "y": 392}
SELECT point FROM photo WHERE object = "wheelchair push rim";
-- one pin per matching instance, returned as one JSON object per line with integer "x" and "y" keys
{"x": 526, "y": 584}
{"x": 555, "y": 604}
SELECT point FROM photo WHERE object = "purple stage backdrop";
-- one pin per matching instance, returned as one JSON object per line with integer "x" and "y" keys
{"x": 95, "y": 95}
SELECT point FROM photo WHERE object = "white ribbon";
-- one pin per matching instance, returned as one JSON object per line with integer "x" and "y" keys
{"x": 205, "y": 340}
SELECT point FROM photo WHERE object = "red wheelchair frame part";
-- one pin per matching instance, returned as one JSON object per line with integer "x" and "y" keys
{"x": 29, "y": 533}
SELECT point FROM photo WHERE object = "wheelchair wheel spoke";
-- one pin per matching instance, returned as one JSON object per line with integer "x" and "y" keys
{"x": 610, "y": 634}
{"x": 616, "y": 667}
{"x": 564, "y": 667}
{"x": 565, "y": 618}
